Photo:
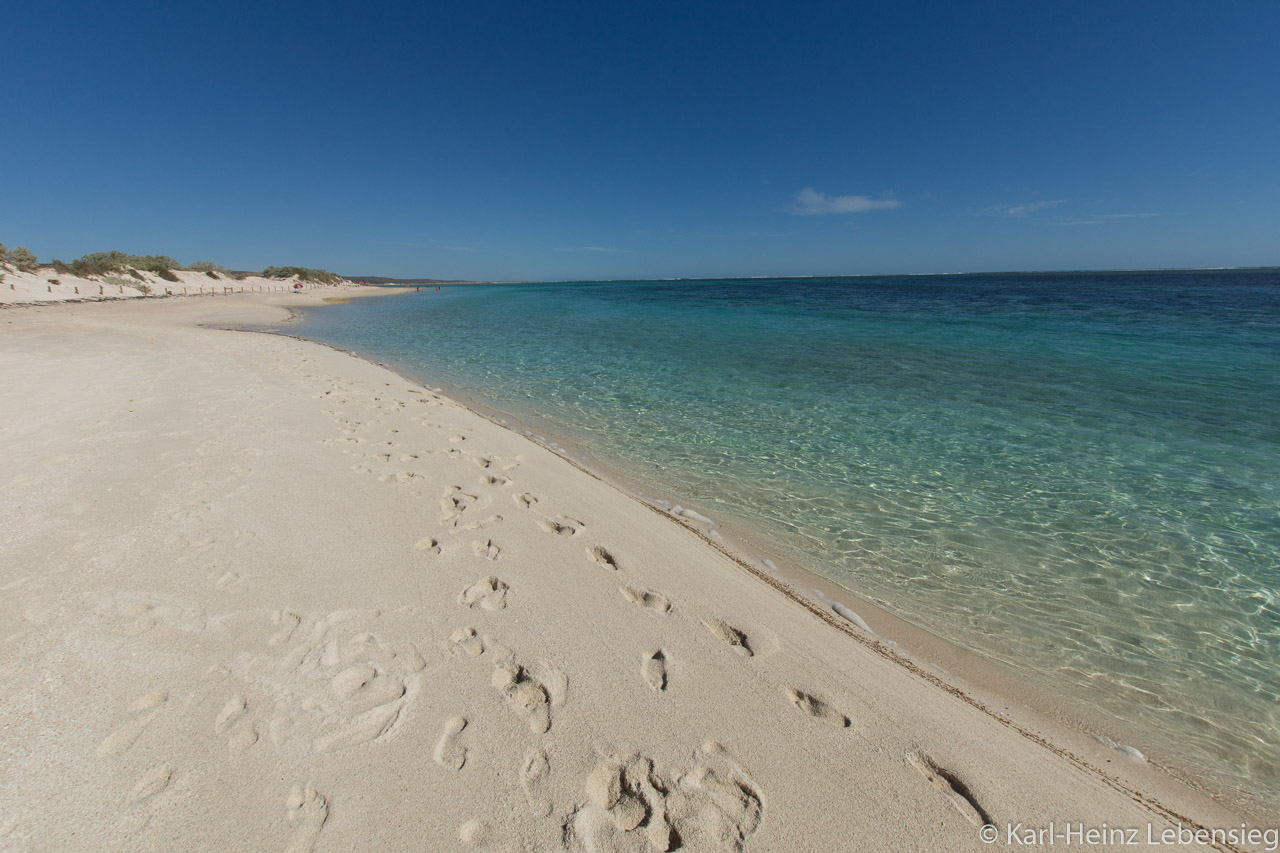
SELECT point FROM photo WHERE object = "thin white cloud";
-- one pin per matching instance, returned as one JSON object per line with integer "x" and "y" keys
{"x": 811, "y": 202}
{"x": 1018, "y": 211}
{"x": 595, "y": 249}
{"x": 460, "y": 248}
{"x": 1105, "y": 218}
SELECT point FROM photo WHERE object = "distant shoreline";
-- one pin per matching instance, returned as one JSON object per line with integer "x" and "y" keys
{"x": 388, "y": 281}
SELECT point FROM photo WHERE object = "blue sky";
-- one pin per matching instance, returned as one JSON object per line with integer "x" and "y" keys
{"x": 518, "y": 140}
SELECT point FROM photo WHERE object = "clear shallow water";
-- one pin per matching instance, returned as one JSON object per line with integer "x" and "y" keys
{"x": 1075, "y": 474}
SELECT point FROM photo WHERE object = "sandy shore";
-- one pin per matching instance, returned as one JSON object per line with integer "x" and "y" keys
{"x": 48, "y": 285}
{"x": 259, "y": 594}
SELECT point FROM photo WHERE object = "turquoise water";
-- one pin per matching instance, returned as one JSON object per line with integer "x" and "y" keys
{"x": 1075, "y": 474}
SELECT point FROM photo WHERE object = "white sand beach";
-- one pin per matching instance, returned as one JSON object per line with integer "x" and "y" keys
{"x": 48, "y": 285}
{"x": 259, "y": 594}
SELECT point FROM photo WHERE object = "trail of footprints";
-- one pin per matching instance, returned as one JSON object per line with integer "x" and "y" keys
{"x": 629, "y": 800}
{"x": 333, "y": 687}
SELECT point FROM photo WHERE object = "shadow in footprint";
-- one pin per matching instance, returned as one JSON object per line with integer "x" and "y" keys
{"x": 951, "y": 787}
{"x": 816, "y": 708}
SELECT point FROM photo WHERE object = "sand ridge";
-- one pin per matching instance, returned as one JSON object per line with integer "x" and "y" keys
{"x": 260, "y": 594}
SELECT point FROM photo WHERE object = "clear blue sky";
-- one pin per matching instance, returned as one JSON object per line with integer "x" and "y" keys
{"x": 521, "y": 140}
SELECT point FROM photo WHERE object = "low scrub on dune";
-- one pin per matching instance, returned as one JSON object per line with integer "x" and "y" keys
{"x": 22, "y": 259}
{"x": 303, "y": 274}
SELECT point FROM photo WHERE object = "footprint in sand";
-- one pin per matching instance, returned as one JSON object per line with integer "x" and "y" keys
{"x": 288, "y": 623}
{"x": 533, "y": 777}
{"x": 141, "y": 625}
{"x": 144, "y": 712}
{"x": 525, "y": 696}
{"x": 632, "y": 804}
{"x": 453, "y": 503}
{"x": 946, "y": 783}
{"x": 499, "y": 480}
{"x": 555, "y": 682}
{"x": 483, "y": 523}
{"x": 816, "y": 708}
{"x": 427, "y": 545}
{"x": 558, "y": 528}
{"x": 524, "y": 500}
{"x": 475, "y": 832}
{"x": 467, "y": 641}
{"x": 234, "y": 709}
{"x": 597, "y": 554}
{"x": 241, "y": 738}
{"x": 485, "y": 548}
{"x": 153, "y": 782}
{"x": 230, "y": 582}
{"x": 339, "y": 687}
{"x": 307, "y": 811}
{"x": 653, "y": 668}
{"x": 728, "y": 634}
{"x": 487, "y": 593}
{"x": 448, "y": 753}
{"x": 646, "y": 598}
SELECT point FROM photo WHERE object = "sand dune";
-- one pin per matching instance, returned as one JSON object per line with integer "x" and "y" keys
{"x": 259, "y": 594}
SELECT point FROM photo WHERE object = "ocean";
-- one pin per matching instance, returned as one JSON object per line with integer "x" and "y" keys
{"x": 1075, "y": 475}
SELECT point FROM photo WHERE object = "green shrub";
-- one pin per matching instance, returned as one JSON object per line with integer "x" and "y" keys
{"x": 206, "y": 266}
{"x": 303, "y": 274}
{"x": 145, "y": 288}
{"x": 211, "y": 274}
{"x": 135, "y": 274}
{"x": 99, "y": 263}
{"x": 60, "y": 267}
{"x": 154, "y": 263}
{"x": 24, "y": 259}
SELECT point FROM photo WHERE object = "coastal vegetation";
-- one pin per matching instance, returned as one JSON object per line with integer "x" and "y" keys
{"x": 22, "y": 259}
{"x": 303, "y": 274}
{"x": 117, "y": 263}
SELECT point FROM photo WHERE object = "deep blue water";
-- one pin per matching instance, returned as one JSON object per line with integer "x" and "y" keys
{"x": 1075, "y": 474}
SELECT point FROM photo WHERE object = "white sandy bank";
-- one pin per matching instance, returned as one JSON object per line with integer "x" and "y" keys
{"x": 48, "y": 285}
{"x": 259, "y": 594}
